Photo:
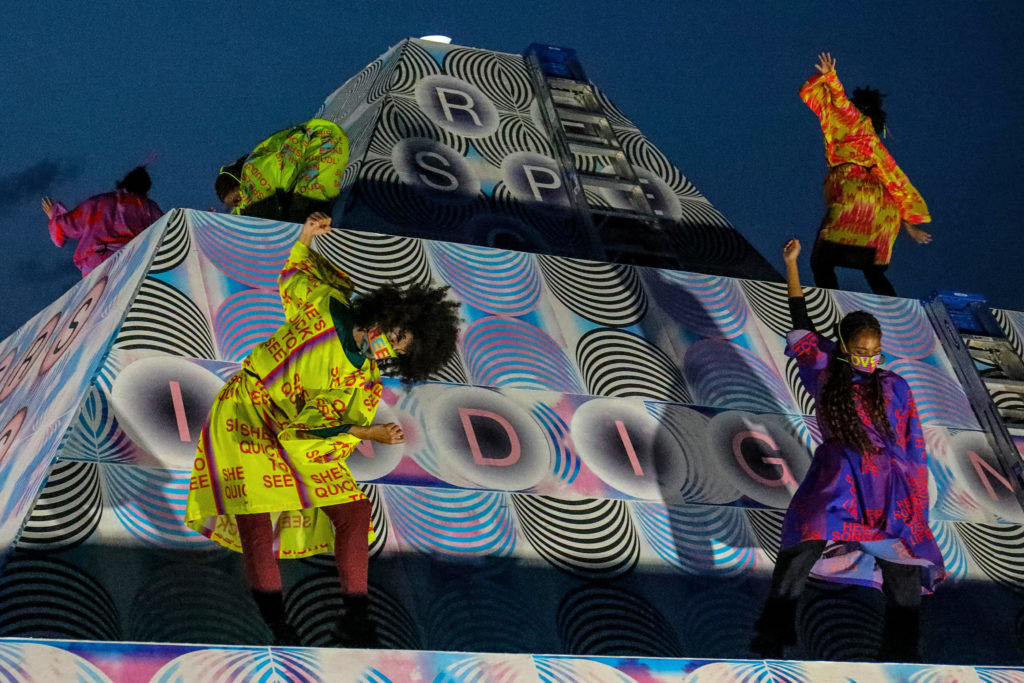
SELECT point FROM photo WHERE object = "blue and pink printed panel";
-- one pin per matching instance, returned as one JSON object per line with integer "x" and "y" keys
{"x": 73, "y": 662}
{"x": 46, "y": 368}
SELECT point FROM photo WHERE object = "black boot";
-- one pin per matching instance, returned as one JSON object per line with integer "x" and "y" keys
{"x": 354, "y": 627}
{"x": 900, "y": 635}
{"x": 271, "y": 607}
{"x": 775, "y": 629}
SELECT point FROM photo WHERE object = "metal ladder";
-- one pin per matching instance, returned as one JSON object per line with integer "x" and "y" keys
{"x": 629, "y": 230}
{"x": 988, "y": 368}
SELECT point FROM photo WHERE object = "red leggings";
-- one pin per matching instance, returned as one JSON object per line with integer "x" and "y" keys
{"x": 351, "y": 551}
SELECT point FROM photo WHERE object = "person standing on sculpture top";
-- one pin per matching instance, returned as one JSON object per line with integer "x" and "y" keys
{"x": 103, "y": 224}
{"x": 867, "y": 196}
{"x": 860, "y": 515}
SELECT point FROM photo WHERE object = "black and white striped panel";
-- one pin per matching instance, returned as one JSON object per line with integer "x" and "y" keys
{"x": 767, "y": 527}
{"x": 515, "y": 133}
{"x": 401, "y": 118}
{"x": 721, "y": 626}
{"x": 42, "y": 597}
{"x": 804, "y": 400}
{"x": 1006, "y": 322}
{"x": 608, "y": 620}
{"x": 618, "y": 363}
{"x": 503, "y": 78}
{"x": 314, "y": 605}
{"x": 401, "y": 205}
{"x": 834, "y": 626}
{"x": 413, "y": 64}
{"x": 770, "y": 303}
{"x": 561, "y": 231}
{"x": 998, "y": 549}
{"x": 373, "y": 260}
{"x": 189, "y": 603}
{"x": 640, "y": 152}
{"x": 453, "y": 372}
{"x": 605, "y": 293}
{"x": 477, "y": 614}
{"x": 614, "y": 115}
{"x": 592, "y": 538}
{"x": 67, "y": 510}
{"x": 164, "y": 319}
{"x": 175, "y": 246}
{"x": 354, "y": 93}
{"x": 703, "y": 240}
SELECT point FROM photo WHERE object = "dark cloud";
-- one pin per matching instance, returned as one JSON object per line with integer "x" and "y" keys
{"x": 34, "y": 181}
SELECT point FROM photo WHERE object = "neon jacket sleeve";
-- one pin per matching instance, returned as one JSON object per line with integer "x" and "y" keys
{"x": 307, "y": 278}
{"x": 325, "y": 421}
{"x": 812, "y": 353}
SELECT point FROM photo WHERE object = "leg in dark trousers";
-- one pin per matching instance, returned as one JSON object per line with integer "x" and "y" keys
{"x": 776, "y": 628}
{"x": 823, "y": 267}
{"x": 352, "y": 555}
{"x": 877, "y": 280}
{"x": 260, "y": 562}
{"x": 901, "y": 584}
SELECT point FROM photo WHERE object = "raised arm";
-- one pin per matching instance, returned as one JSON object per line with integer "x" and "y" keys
{"x": 824, "y": 94}
{"x": 797, "y": 305}
{"x": 306, "y": 275}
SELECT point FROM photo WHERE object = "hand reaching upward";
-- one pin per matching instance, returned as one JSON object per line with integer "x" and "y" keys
{"x": 825, "y": 63}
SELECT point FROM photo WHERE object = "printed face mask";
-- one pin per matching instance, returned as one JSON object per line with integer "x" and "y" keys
{"x": 376, "y": 345}
{"x": 866, "y": 363}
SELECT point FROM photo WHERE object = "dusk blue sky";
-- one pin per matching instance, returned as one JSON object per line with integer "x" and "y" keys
{"x": 90, "y": 90}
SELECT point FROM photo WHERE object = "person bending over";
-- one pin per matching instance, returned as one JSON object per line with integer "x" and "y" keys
{"x": 269, "y": 478}
{"x": 867, "y": 196}
{"x": 861, "y": 513}
{"x": 291, "y": 174}
{"x": 104, "y": 223}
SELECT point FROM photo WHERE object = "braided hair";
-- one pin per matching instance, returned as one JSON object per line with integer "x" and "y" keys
{"x": 837, "y": 407}
{"x": 869, "y": 101}
{"x": 420, "y": 310}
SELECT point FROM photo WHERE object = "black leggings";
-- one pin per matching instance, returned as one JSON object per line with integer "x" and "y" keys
{"x": 901, "y": 584}
{"x": 827, "y": 256}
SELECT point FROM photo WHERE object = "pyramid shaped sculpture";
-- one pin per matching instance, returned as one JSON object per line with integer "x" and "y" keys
{"x": 611, "y": 441}
{"x": 452, "y": 143}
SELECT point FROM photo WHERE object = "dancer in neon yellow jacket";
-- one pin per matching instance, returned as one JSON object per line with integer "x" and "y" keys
{"x": 290, "y": 175}
{"x": 269, "y": 478}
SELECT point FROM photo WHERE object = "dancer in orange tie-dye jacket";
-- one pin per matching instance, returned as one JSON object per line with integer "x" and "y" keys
{"x": 867, "y": 196}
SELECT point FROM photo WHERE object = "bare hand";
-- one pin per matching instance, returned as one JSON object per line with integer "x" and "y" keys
{"x": 317, "y": 224}
{"x": 825, "y": 63}
{"x": 389, "y": 433}
{"x": 917, "y": 234}
{"x": 790, "y": 250}
{"x": 48, "y": 206}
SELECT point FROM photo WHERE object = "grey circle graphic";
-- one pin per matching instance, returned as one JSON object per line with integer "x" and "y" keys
{"x": 980, "y": 473}
{"x": 435, "y": 169}
{"x": 457, "y": 106}
{"x": 161, "y": 400}
{"x": 483, "y": 439}
{"x": 758, "y": 456}
{"x": 535, "y": 178}
{"x": 628, "y": 448}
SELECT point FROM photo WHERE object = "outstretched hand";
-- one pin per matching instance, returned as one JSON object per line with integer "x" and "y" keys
{"x": 317, "y": 224}
{"x": 917, "y": 234}
{"x": 48, "y": 207}
{"x": 790, "y": 251}
{"x": 825, "y": 63}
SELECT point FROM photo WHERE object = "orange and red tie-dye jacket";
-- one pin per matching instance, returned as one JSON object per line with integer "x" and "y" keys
{"x": 850, "y": 138}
